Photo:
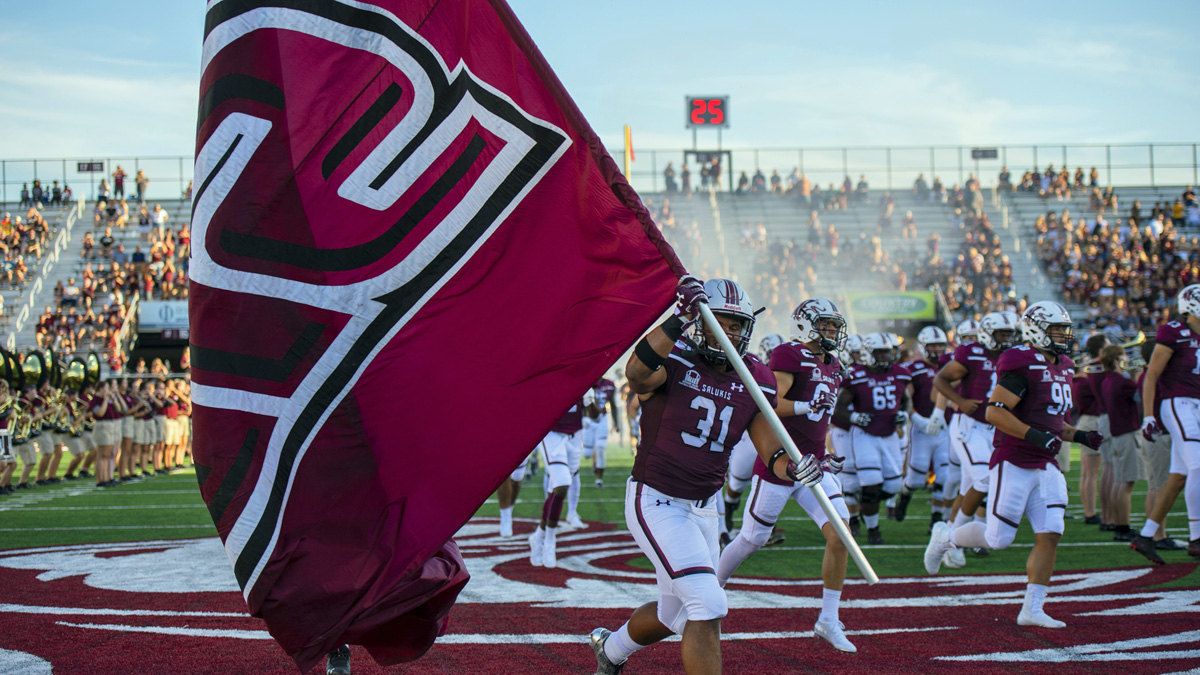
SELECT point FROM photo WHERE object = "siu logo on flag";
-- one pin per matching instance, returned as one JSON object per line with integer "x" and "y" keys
{"x": 345, "y": 175}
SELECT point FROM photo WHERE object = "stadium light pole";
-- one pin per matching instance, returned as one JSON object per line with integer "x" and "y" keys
{"x": 789, "y": 445}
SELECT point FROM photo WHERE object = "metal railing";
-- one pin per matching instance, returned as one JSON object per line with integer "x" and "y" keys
{"x": 888, "y": 167}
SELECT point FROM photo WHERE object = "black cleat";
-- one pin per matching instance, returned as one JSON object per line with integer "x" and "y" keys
{"x": 854, "y": 526}
{"x": 981, "y": 552}
{"x": 1194, "y": 548}
{"x": 934, "y": 520}
{"x": 337, "y": 662}
{"x": 730, "y": 508}
{"x": 1168, "y": 544}
{"x": 1124, "y": 535}
{"x": 874, "y": 537}
{"x": 775, "y": 539}
{"x": 902, "y": 506}
{"x": 70, "y": 476}
{"x": 725, "y": 540}
{"x": 1093, "y": 519}
{"x": 1145, "y": 546}
{"x": 891, "y": 513}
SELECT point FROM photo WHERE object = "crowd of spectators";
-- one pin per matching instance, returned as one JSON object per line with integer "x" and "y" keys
{"x": 1125, "y": 268}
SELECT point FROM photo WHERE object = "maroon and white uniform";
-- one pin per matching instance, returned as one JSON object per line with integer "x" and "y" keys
{"x": 813, "y": 376}
{"x": 595, "y": 431}
{"x": 1156, "y": 455}
{"x": 876, "y": 447}
{"x": 1179, "y": 385}
{"x": 974, "y": 440}
{"x": 688, "y": 428}
{"x": 1025, "y": 479}
{"x": 924, "y": 452}
{"x": 743, "y": 456}
{"x": 562, "y": 448}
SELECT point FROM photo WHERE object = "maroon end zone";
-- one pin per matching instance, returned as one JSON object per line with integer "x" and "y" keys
{"x": 121, "y": 608}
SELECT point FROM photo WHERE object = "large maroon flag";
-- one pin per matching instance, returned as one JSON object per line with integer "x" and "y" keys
{"x": 412, "y": 255}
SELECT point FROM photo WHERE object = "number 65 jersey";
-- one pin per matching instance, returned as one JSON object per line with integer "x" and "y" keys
{"x": 1044, "y": 406}
{"x": 691, "y": 423}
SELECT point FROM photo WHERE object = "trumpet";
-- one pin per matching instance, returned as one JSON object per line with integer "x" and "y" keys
{"x": 1133, "y": 357}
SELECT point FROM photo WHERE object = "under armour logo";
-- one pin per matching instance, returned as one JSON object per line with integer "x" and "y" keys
{"x": 660, "y": 502}
{"x": 737, "y": 387}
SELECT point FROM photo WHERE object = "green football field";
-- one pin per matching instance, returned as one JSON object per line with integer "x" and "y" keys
{"x": 169, "y": 507}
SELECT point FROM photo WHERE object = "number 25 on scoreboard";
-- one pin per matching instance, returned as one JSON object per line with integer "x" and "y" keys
{"x": 707, "y": 111}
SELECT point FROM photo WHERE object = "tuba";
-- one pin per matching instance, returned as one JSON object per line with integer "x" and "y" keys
{"x": 1132, "y": 361}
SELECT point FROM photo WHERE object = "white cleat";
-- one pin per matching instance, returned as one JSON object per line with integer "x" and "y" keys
{"x": 575, "y": 521}
{"x": 954, "y": 559}
{"x": 536, "y": 553}
{"x": 549, "y": 554}
{"x": 835, "y": 634}
{"x": 1038, "y": 618}
{"x": 939, "y": 544}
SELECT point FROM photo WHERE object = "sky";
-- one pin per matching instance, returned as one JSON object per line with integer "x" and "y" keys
{"x": 84, "y": 79}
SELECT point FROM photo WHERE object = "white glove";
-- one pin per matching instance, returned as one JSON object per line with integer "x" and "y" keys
{"x": 860, "y": 419}
{"x": 936, "y": 423}
{"x": 808, "y": 472}
{"x": 589, "y": 397}
{"x": 1151, "y": 428}
{"x": 901, "y": 418}
{"x": 801, "y": 408}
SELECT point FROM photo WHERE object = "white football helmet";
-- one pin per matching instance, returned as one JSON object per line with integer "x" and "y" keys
{"x": 1036, "y": 324}
{"x": 996, "y": 322}
{"x": 809, "y": 313}
{"x": 1189, "y": 300}
{"x": 769, "y": 343}
{"x": 878, "y": 350}
{"x": 852, "y": 350}
{"x": 931, "y": 336}
{"x": 726, "y": 298}
{"x": 967, "y": 331}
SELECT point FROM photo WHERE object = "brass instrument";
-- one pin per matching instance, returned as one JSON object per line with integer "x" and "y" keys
{"x": 1133, "y": 357}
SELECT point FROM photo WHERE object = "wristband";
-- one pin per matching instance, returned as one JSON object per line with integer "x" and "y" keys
{"x": 648, "y": 356}
{"x": 775, "y": 458}
{"x": 673, "y": 327}
{"x": 1038, "y": 437}
{"x": 1079, "y": 437}
{"x": 801, "y": 408}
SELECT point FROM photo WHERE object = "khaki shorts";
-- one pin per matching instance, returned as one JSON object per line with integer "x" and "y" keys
{"x": 143, "y": 432}
{"x": 27, "y": 452}
{"x": 49, "y": 440}
{"x": 1125, "y": 458}
{"x": 1156, "y": 459}
{"x": 1092, "y": 423}
{"x": 173, "y": 431}
{"x": 107, "y": 432}
{"x": 160, "y": 428}
{"x": 78, "y": 445}
{"x": 127, "y": 424}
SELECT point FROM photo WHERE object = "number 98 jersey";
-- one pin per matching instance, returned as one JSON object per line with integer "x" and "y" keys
{"x": 691, "y": 423}
{"x": 1044, "y": 406}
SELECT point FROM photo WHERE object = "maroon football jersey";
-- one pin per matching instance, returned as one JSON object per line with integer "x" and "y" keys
{"x": 1181, "y": 377}
{"x": 605, "y": 391}
{"x": 691, "y": 423}
{"x": 980, "y": 379}
{"x": 922, "y": 381}
{"x": 571, "y": 421}
{"x": 812, "y": 376}
{"x": 879, "y": 394}
{"x": 1116, "y": 396}
{"x": 1044, "y": 406}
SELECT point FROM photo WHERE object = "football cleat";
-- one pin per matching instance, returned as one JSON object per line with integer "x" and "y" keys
{"x": 981, "y": 552}
{"x": 1194, "y": 548}
{"x": 599, "y": 484}
{"x": 1145, "y": 546}
{"x": 1038, "y": 618}
{"x": 939, "y": 545}
{"x": 603, "y": 666}
{"x": 1093, "y": 519}
{"x": 891, "y": 513}
{"x": 575, "y": 521}
{"x": 834, "y": 632}
{"x": 933, "y": 519}
{"x": 337, "y": 662}
{"x": 902, "y": 506}
{"x": 954, "y": 559}
{"x": 535, "y": 547}
{"x": 550, "y": 552}
{"x": 725, "y": 540}
{"x": 777, "y": 537}
{"x": 854, "y": 526}
{"x": 1124, "y": 535}
{"x": 874, "y": 536}
{"x": 1168, "y": 544}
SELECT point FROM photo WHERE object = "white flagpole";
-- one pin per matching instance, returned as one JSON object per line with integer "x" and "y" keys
{"x": 789, "y": 445}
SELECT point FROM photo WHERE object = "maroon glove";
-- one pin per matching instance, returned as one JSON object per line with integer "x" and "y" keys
{"x": 1092, "y": 439}
{"x": 1151, "y": 428}
{"x": 690, "y": 293}
{"x": 824, "y": 401}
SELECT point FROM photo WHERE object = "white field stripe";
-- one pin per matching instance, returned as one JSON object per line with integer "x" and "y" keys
{"x": 1102, "y": 651}
{"x": 479, "y": 638}
{"x": 171, "y": 630}
{"x": 87, "y": 611}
